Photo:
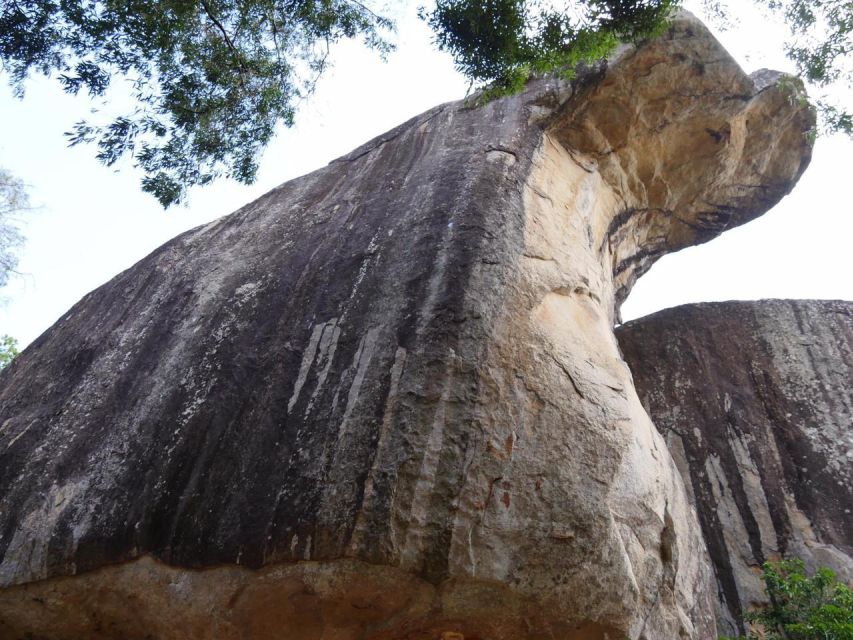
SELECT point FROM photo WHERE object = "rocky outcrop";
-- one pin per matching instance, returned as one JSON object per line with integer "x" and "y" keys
{"x": 754, "y": 400}
{"x": 385, "y": 400}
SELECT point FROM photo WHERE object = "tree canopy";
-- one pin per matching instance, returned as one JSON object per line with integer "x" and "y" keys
{"x": 501, "y": 42}
{"x": 13, "y": 201}
{"x": 211, "y": 79}
{"x": 8, "y": 350}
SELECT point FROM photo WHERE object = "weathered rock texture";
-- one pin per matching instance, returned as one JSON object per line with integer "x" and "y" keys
{"x": 755, "y": 402}
{"x": 391, "y": 388}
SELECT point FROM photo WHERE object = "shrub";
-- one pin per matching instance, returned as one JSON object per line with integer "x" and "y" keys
{"x": 801, "y": 607}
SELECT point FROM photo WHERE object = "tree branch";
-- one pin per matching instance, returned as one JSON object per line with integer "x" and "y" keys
{"x": 221, "y": 28}
{"x": 378, "y": 18}
{"x": 238, "y": 57}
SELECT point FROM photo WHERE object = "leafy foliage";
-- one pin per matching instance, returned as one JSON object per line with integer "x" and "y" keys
{"x": 804, "y": 608}
{"x": 210, "y": 78}
{"x": 503, "y": 41}
{"x": 820, "y": 44}
{"x": 13, "y": 200}
{"x": 8, "y": 350}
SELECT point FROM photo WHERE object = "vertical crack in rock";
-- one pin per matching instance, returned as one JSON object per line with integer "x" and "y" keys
{"x": 385, "y": 400}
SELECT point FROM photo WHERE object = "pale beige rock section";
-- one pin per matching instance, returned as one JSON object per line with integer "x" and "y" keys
{"x": 690, "y": 145}
{"x": 580, "y": 484}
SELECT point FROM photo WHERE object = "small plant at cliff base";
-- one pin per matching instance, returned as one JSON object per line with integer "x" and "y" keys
{"x": 8, "y": 350}
{"x": 801, "y": 607}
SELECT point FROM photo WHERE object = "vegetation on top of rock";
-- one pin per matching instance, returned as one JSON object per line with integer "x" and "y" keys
{"x": 501, "y": 42}
{"x": 820, "y": 44}
{"x": 211, "y": 80}
{"x": 801, "y": 607}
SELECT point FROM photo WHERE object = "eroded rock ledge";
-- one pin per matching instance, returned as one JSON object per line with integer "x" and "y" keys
{"x": 404, "y": 359}
{"x": 754, "y": 400}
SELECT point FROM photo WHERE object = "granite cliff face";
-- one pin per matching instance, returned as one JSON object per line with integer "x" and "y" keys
{"x": 385, "y": 400}
{"x": 754, "y": 400}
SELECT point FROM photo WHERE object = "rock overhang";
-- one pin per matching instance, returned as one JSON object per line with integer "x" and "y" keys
{"x": 691, "y": 145}
{"x": 404, "y": 359}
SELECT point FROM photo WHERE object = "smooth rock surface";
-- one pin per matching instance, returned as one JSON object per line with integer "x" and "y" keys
{"x": 405, "y": 359}
{"x": 755, "y": 400}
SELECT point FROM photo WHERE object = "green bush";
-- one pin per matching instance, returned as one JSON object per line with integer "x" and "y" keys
{"x": 801, "y": 607}
{"x": 8, "y": 350}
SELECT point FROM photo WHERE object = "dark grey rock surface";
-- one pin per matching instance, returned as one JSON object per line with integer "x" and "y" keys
{"x": 755, "y": 400}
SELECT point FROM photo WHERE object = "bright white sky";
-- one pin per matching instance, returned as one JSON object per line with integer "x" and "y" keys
{"x": 93, "y": 222}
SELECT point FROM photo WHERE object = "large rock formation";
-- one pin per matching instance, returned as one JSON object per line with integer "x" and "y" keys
{"x": 754, "y": 400}
{"x": 385, "y": 400}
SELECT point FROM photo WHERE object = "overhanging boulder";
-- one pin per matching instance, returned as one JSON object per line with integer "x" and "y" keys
{"x": 385, "y": 400}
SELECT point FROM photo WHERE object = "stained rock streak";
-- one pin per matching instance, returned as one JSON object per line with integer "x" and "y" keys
{"x": 404, "y": 361}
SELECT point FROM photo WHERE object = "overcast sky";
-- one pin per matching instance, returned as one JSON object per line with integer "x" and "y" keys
{"x": 93, "y": 222}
